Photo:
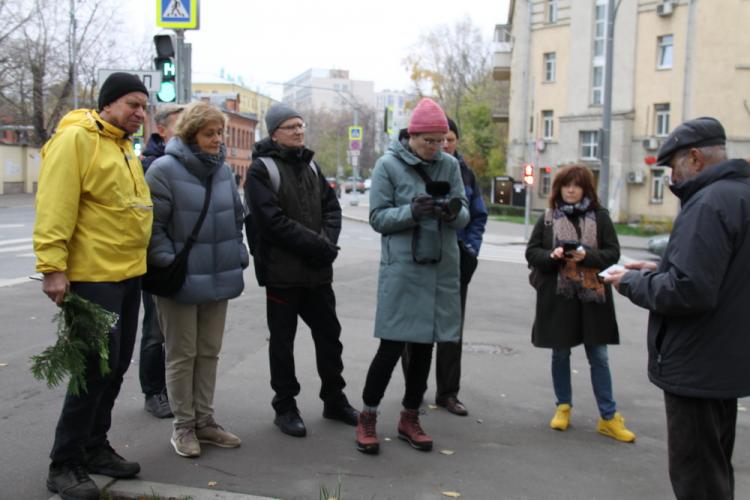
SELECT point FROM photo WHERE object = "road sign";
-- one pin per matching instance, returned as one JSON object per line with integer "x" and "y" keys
{"x": 151, "y": 79}
{"x": 355, "y": 145}
{"x": 177, "y": 14}
{"x": 355, "y": 133}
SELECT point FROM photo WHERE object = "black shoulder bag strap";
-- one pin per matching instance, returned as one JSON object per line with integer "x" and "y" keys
{"x": 194, "y": 235}
{"x": 426, "y": 178}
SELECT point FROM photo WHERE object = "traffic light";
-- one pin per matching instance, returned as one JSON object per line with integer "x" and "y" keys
{"x": 528, "y": 174}
{"x": 164, "y": 63}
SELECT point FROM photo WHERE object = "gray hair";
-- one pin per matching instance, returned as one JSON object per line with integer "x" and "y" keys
{"x": 164, "y": 111}
{"x": 711, "y": 154}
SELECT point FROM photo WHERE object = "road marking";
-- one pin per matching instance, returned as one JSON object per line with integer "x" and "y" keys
{"x": 14, "y": 241}
{"x": 14, "y": 249}
{"x": 11, "y": 226}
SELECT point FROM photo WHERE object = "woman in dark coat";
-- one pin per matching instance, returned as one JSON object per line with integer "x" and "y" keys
{"x": 570, "y": 245}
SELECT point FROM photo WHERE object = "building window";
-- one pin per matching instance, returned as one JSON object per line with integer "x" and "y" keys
{"x": 597, "y": 85}
{"x": 664, "y": 60}
{"x": 589, "y": 144}
{"x": 657, "y": 185}
{"x": 550, "y": 66}
{"x": 661, "y": 113}
{"x": 551, "y": 11}
{"x": 600, "y": 27}
{"x": 548, "y": 124}
{"x": 545, "y": 181}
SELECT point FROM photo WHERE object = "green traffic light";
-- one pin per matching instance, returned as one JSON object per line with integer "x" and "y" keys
{"x": 167, "y": 92}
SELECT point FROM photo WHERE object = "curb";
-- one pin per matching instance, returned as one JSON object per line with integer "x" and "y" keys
{"x": 135, "y": 488}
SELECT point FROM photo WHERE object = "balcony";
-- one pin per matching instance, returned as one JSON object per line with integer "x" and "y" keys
{"x": 502, "y": 49}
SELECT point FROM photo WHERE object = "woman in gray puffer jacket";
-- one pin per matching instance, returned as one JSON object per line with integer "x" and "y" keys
{"x": 193, "y": 318}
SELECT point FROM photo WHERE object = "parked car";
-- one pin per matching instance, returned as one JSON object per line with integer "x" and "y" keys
{"x": 334, "y": 183}
{"x": 353, "y": 183}
{"x": 658, "y": 244}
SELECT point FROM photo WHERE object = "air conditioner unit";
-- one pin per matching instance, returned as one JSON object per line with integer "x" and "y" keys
{"x": 635, "y": 177}
{"x": 651, "y": 144}
{"x": 665, "y": 9}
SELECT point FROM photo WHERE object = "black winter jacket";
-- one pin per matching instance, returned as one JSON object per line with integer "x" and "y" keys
{"x": 566, "y": 322}
{"x": 699, "y": 298}
{"x": 298, "y": 227}
{"x": 154, "y": 149}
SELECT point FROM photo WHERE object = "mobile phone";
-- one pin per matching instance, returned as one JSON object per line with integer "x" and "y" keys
{"x": 569, "y": 246}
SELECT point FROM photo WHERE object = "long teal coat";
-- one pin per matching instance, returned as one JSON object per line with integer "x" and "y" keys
{"x": 416, "y": 302}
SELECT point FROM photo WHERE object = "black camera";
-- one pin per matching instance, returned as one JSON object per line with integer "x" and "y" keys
{"x": 439, "y": 191}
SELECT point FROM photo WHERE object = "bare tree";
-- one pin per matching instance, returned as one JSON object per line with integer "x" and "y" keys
{"x": 37, "y": 74}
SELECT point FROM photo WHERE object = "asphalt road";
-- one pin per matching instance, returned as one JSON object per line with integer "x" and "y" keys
{"x": 502, "y": 450}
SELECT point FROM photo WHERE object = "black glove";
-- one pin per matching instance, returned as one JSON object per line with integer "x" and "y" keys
{"x": 326, "y": 255}
{"x": 422, "y": 206}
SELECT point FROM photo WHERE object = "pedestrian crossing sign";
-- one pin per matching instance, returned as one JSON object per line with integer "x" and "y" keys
{"x": 177, "y": 14}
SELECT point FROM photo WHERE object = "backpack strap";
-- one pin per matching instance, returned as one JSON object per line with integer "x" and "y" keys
{"x": 273, "y": 171}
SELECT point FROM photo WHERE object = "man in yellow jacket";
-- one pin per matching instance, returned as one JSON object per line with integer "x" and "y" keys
{"x": 93, "y": 224}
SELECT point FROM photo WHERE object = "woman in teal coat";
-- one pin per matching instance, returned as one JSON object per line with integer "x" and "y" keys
{"x": 417, "y": 202}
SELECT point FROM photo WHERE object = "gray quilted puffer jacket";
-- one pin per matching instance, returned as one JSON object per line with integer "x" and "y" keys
{"x": 178, "y": 187}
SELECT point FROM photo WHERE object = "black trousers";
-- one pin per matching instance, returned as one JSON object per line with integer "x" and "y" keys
{"x": 700, "y": 440}
{"x": 317, "y": 308}
{"x": 416, "y": 372}
{"x": 151, "y": 366}
{"x": 86, "y": 418}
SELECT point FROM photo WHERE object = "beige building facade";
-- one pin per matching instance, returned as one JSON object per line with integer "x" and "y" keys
{"x": 553, "y": 53}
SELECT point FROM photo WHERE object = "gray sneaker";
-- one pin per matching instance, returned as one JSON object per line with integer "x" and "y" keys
{"x": 185, "y": 442}
{"x": 213, "y": 433}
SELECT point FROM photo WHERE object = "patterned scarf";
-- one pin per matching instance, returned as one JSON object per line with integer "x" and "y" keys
{"x": 577, "y": 222}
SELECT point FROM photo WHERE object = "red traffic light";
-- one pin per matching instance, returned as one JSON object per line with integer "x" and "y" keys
{"x": 528, "y": 174}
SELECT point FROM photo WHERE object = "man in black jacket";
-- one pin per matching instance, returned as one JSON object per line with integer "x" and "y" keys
{"x": 699, "y": 348}
{"x": 151, "y": 364}
{"x": 295, "y": 225}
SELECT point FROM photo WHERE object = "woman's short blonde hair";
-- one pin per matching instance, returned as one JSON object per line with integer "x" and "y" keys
{"x": 194, "y": 117}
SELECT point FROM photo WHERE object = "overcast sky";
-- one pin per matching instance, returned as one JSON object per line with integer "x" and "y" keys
{"x": 275, "y": 40}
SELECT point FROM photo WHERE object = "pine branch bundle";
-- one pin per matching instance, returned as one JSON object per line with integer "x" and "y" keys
{"x": 82, "y": 331}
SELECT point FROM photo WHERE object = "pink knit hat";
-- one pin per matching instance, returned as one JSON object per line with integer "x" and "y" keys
{"x": 428, "y": 117}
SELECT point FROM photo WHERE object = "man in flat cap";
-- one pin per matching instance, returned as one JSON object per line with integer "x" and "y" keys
{"x": 296, "y": 221}
{"x": 699, "y": 298}
{"x": 92, "y": 228}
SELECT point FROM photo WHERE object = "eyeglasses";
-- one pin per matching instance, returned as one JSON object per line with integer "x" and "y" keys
{"x": 433, "y": 142}
{"x": 292, "y": 128}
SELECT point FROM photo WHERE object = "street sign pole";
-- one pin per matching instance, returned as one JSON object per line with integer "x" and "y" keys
{"x": 179, "y": 62}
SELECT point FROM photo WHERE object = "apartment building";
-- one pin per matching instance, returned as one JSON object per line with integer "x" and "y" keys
{"x": 673, "y": 60}
{"x": 250, "y": 101}
{"x": 330, "y": 89}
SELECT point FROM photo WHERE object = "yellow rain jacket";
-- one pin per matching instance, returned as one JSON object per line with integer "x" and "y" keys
{"x": 93, "y": 206}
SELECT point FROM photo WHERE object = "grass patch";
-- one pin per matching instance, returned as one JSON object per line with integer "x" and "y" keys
{"x": 622, "y": 229}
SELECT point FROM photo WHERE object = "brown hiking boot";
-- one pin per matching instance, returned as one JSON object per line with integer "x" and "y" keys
{"x": 367, "y": 438}
{"x": 409, "y": 430}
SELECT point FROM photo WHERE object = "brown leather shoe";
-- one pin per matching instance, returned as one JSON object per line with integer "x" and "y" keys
{"x": 453, "y": 405}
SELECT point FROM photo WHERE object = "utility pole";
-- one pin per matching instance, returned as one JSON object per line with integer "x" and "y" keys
{"x": 74, "y": 53}
{"x": 606, "y": 132}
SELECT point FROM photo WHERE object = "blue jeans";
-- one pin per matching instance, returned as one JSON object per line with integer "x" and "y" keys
{"x": 601, "y": 380}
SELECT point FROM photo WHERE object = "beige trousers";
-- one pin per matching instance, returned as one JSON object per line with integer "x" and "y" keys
{"x": 192, "y": 338}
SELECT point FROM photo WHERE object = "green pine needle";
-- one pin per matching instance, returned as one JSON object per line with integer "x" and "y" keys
{"x": 82, "y": 331}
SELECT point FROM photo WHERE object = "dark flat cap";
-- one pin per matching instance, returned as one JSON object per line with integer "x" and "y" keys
{"x": 697, "y": 133}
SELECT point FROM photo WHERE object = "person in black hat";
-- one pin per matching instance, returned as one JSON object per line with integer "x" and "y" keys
{"x": 298, "y": 221}
{"x": 698, "y": 296}
{"x": 92, "y": 227}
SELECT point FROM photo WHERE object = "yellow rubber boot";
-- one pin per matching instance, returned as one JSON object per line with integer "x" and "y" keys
{"x": 561, "y": 420}
{"x": 615, "y": 428}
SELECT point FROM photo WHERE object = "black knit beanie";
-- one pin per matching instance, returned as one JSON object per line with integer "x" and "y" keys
{"x": 453, "y": 128}
{"x": 117, "y": 85}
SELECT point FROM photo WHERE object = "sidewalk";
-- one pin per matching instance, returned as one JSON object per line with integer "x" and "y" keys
{"x": 496, "y": 233}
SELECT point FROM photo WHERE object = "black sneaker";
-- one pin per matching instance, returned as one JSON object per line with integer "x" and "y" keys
{"x": 343, "y": 413}
{"x": 71, "y": 482}
{"x": 291, "y": 423}
{"x": 158, "y": 405}
{"x": 105, "y": 461}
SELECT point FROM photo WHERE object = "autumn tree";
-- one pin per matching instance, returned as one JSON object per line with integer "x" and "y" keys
{"x": 452, "y": 63}
{"x": 37, "y": 68}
